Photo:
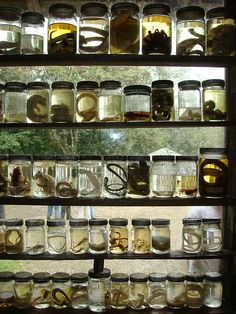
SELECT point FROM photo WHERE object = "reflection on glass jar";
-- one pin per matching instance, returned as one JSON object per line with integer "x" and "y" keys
{"x": 23, "y": 290}
{"x": 192, "y": 235}
{"x": 41, "y": 295}
{"x": 56, "y": 236}
{"x": 119, "y": 291}
{"x": 176, "y": 296}
{"x": 14, "y": 236}
{"x": 1, "y": 102}
{"x": 79, "y": 235}
{"x": 141, "y": 235}
{"x": 213, "y": 289}
{"x": 138, "y": 292}
{"x": 157, "y": 291}
{"x": 98, "y": 237}
{"x": 7, "y": 298}
{"x": 43, "y": 176}
{"x": 79, "y": 290}
{"x": 194, "y": 290}
{"x": 38, "y": 102}
{"x": 212, "y": 235}
{"x": 2, "y": 235}
{"x": 35, "y": 236}
{"x": 61, "y": 290}
{"x": 3, "y": 175}
{"x": 118, "y": 235}
{"x": 160, "y": 236}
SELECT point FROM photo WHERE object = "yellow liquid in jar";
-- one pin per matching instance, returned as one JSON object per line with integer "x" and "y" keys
{"x": 62, "y": 38}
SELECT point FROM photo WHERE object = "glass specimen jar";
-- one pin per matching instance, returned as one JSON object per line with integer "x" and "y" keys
{"x": 186, "y": 176}
{"x": 94, "y": 28}
{"x": 62, "y": 102}
{"x": 41, "y": 294}
{"x": 160, "y": 236}
{"x": 19, "y": 175}
{"x": 214, "y": 100}
{"x": 98, "y": 236}
{"x": 194, "y": 290}
{"x": 99, "y": 290}
{"x": 87, "y": 101}
{"x": 141, "y": 235}
{"x": 15, "y": 102}
{"x": 156, "y": 29}
{"x": 90, "y": 176}
{"x": 138, "y": 176}
{"x": 61, "y": 290}
{"x": 56, "y": 236}
{"x": 38, "y": 102}
{"x": 213, "y": 289}
{"x": 157, "y": 291}
{"x": 118, "y": 235}
{"x": 192, "y": 235}
{"x": 137, "y": 105}
{"x": 213, "y": 172}
{"x": 2, "y": 235}
{"x": 110, "y": 101}
{"x": 212, "y": 235}
{"x": 1, "y": 102}
{"x": 33, "y": 33}
{"x": 115, "y": 176}
{"x": 10, "y": 30}
{"x": 190, "y": 31}
{"x": 43, "y": 176}
{"x": 66, "y": 176}
{"x": 138, "y": 291}
{"x": 35, "y": 236}
{"x": 14, "y": 236}
{"x": 62, "y": 29}
{"x": 119, "y": 291}
{"x": 220, "y": 32}
{"x": 163, "y": 176}
{"x": 79, "y": 290}
{"x": 79, "y": 235}
{"x": 189, "y": 101}
{"x": 23, "y": 290}
{"x": 7, "y": 298}
{"x": 3, "y": 175}
{"x": 175, "y": 293}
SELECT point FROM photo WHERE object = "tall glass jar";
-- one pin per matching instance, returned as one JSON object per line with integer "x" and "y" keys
{"x": 99, "y": 290}
{"x": 94, "y": 28}
{"x": 186, "y": 176}
{"x": 56, "y": 236}
{"x": 79, "y": 291}
{"x": 189, "y": 100}
{"x": 220, "y": 32}
{"x": 66, "y": 176}
{"x": 33, "y": 33}
{"x": 15, "y": 102}
{"x": 160, "y": 236}
{"x": 213, "y": 172}
{"x": 14, "y": 236}
{"x": 23, "y": 290}
{"x": 115, "y": 176}
{"x": 214, "y": 100}
{"x": 90, "y": 176}
{"x": 213, "y": 289}
{"x": 190, "y": 31}
{"x": 194, "y": 290}
{"x": 2, "y": 102}
{"x": 138, "y": 292}
{"x": 157, "y": 291}
{"x": 38, "y": 102}
{"x": 137, "y": 103}
{"x": 19, "y": 175}
{"x": 118, "y": 235}
{"x": 62, "y": 29}
{"x": 61, "y": 290}
{"x": 10, "y": 30}
{"x": 62, "y": 102}
{"x": 141, "y": 235}
{"x": 87, "y": 101}
{"x": 156, "y": 29}
{"x": 138, "y": 176}
{"x": 110, "y": 102}
{"x": 79, "y": 236}
{"x": 7, "y": 298}
{"x": 119, "y": 291}
{"x": 3, "y": 175}
{"x": 212, "y": 235}
{"x": 98, "y": 236}
{"x": 35, "y": 236}
{"x": 192, "y": 235}
{"x": 2, "y": 235}
{"x": 175, "y": 294}
{"x": 41, "y": 294}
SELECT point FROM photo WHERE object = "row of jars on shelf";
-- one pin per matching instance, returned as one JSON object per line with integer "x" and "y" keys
{"x": 109, "y": 102}
{"x": 122, "y": 31}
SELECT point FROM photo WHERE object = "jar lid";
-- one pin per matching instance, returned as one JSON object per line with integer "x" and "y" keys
{"x": 175, "y": 277}
{"x": 186, "y": 158}
{"x": 97, "y": 221}
{"x": 42, "y": 157}
{"x": 211, "y": 220}
{"x": 141, "y": 222}
{"x": 32, "y": 17}
{"x": 90, "y": 157}
{"x": 189, "y": 84}
{"x": 62, "y": 85}
{"x": 138, "y": 158}
{"x": 34, "y": 222}
{"x": 15, "y": 86}
{"x": 60, "y": 277}
{"x": 56, "y": 223}
{"x": 99, "y": 275}
{"x": 194, "y": 277}
{"x": 157, "y": 8}
{"x": 79, "y": 277}
{"x": 163, "y": 158}
{"x": 3, "y": 157}
{"x": 162, "y": 84}
{"x": 87, "y": 84}
{"x": 6, "y": 276}
{"x": 120, "y": 277}
{"x": 190, "y": 13}
{"x": 160, "y": 222}
{"x": 220, "y": 151}
{"x": 214, "y": 82}
{"x": 41, "y": 277}
{"x": 219, "y": 12}
{"x": 38, "y": 85}
{"x": 62, "y": 10}
{"x": 9, "y": 13}
{"x": 2, "y": 222}
{"x": 191, "y": 221}
{"x": 118, "y": 7}
{"x": 157, "y": 277}
{"x": 117, "y": 158}
{"x": 19, "y": 157}
{"x": 110, "y": 84}
{"x": 137, "y": 89}
{"x": 118, "y": 222}
{"x": 66, "y": 158}
{"x": 23, "y": 276}
{"x": 213, "y": 276}
{"x": 78, "y": 222}
{"x": 138, "y": 277}
{"x": 2, "y": 86}
{"x": 14, "y": 222}
{"x": 94, "y": 9}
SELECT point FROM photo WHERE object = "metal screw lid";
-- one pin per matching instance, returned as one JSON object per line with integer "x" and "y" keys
{"x": 141, "y": 222}
{"x": 138, "y": 277}
{"x": 34, "y": 222}
{"x": 191, "y": 221}
{"x": 6, "y": 276}
{"x": 195, "y": 277}
{"x": 162, "y": 84}
{"x": 23, "y": 276}
{"x": 41, "y": 277}
{"x": 117, "y": 8}
{"x": 79, "y": 277}
{"x": 160, "y": 222}
{"x": 38, "y": 85}
{"x": 175, "y": 277}
{"x": 32, "y": 17}
{"x": 56, "y": 223}
{"x": 110, "y": 84}
{"x": 190, "y": 13}
{"x": 60, "y": 277}
{"x": 118, "y": 222}
{"x": 78, "y": 222}
{"x": 62, "y": 85}
{"x": 157, "y": 277}
{"x": 87, "y": 84}
{"x": 99, "y": 275}
{"x": 120, "y": 277}
{"x": 157, "y": 8}
{"x": 9, "y": 13}
{"x": 97, "y": 221}
{"x": 94, "y": 9}
{"x": 14, "y": 222}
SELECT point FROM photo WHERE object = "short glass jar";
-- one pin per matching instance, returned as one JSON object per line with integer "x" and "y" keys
{"x": 61, "y": 290}
{"x": 41, "y": 294}
{"x": 79, "y": 291}
{"x": 7, "y": 298}
{"x": 62, "y": 29}
{"x": 94, "y": 29}
{"x": 110, "y": 102}
{"x": 118, "y": 235}
{"x": 2, "y": 102}
{"x": 35, "y": 236}
{"x": 14, "y": 236}
{"x": 2, "y": 235}
{"x": 56, "y": 236}
{"x": 194, "y": 290}
{"x": 38, "y": 102}
{"x": 141, "y": 235}
{"x": 157, "y": 291}
{"x": 212, "y": 235}
{"x": 124, "y": 28}
{"x": 138, "y": 291}
{"x": 79, "y": 236}
{"x": 192, "y": 235}
{"x": 160, "y": 236}
{"x": 119, "y": 291}
{"x": 213, "y": 289}
{"x": 3, "y": 175}
{"x": 98, "y": 236}
{"x": 190, "y": 31}
{"x": 23, "y": 290}
{"x": 175, "y": 294}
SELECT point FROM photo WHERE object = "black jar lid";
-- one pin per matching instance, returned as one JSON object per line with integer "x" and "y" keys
{"x": 2, "y": 222}
{"x": 94, "y": 9}
{"x": 23, "y": 276}
{"x": 186, "y": 158}
{"x": 191, "y": 221}
{"x": 42, "y": 157}
{"x": 120, "y": 277}
{"x": 160, "y": 222}
{"x": 118, "y": 222}
{"x": 2, "y": 86}
{"x": 56, "y": 222}
{"x": 34, "y": 222}
{"x": 211, "y": 220}
{"x": 87, "y": 84}
{"x": 38, "y": 85}
{"x": 90, "y": 157}
{"x": 157, "y": 8}
{"x": 213, "y": 150}
{"x": 14, "y": 222}
{"x": 60, "y": 277}
{"x": 41, "y": 277}
{"x": 6, "y": 276}
{"x": 162, "y": 84}
{"x": 99, "y": 275}
{"x": 80, "y": 222}
{"x": 62, "y": 10}
{"x": 157, "y": 277}
{"x": 195, "y": 277}
{"x": 110, "y": 84}
{"x": 213, "y": 276}
{"x": 79, "y": 277}
{"x": 66, "y": 158}
{"x": 141, "y": 222}
{"x": 138, "y": 277}
{"x": 62, "y": 85}
{"x": 163, "y": 158}
{"x": 20, "y": 157}
{"x": 15, "y": 86}
{"x": 189, "y": 84}
{"x": 175, "y": 277}
{"x": 138, "y": 158}
{"x": 97, "y": 221}
{"x": 213, "y": 82}
{"x": 9, "y": 13}
{"x": 32, "y": 17}
{"x": 219, "y": 12}
{"x": 117, "y": 8}
{"x": 116, "y": 158}
{"x": 137, "y": 89}
{"x": 3, "y": 157}
{"x": 190, "y": 13}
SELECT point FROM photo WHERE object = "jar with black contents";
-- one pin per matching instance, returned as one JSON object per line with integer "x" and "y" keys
{"x": 190, "y": 31}
{"x": 14, "y": 236}
{"x": 2, "y": 235}
{"x": 156, "y": 29}
{"x": 62, "y": 29}
{"x": 94, "y": 28}
{"x": 41, "y": 294}
{"x": 118, "y": 235}
{"x": 157, "y": 291}
{"x": 220, "y": 32}
{"x": 98, "y": 236}
{"x": 212, "y": 235}
{"x": 7, "y": 298}
{"x": 10, "y": 30}
{"x": 137, "y": 105}
{"x": 3, "y": 175}
{"x": 23, "y": 289}
{"x": 2, "y": 105}
{"x": 119, "y": 291}
{"x": 56, "y": 236}
{"x": 138, "y": 176}
{"x": 138, "y": 292}
{"x": 194, "y": 290}
{"x": 213, "y": 172}
{"x": 38, "y": 102}
{"x": 141, "y": 235}
{"x": 160, "y": 236}
{"x": 79, "y": 291}
{"x": 175, "y": 294}
{"x": 124, "y": 28}
{"x": 192, "y": 235}
{"x": 35, "y": 236}
{"x": 213, "y": 289}
{"x": 61, "y": 290}
{"x": 79, "y": 235}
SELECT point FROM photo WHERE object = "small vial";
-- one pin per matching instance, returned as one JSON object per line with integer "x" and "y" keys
{"x": 160, "y": 236}
{"x": 56, "y": 237}
{"x": 79, "y": 235}
{"x": 14, "y": 236}
{"x": 176, "y": 296}
{"x": 194, "y": 290}
{"x": 61, "y": 290}
{"x": 138, "y": 292}
{"x": 23, "y": 290}
{"x": 192, "y": 235}
{"x": 118, "y": 235}
{"x": 7, "y": 298}
{"x": 41, "y": 298}
{"x": 79, "y": 291}
{"x": 98, "y": 236}
{"x": 119, "y": 291}
{"x": 2, "y": 235}
{"x": 157, "y": 291}
{"x": 213, "y": 289}
{"x": 141, "y": 235}
{"x": 212, "y": 235}
{"x": 35, "y": 236}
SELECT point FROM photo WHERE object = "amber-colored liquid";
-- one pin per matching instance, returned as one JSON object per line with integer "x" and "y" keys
{"x": 62, "y": 38}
